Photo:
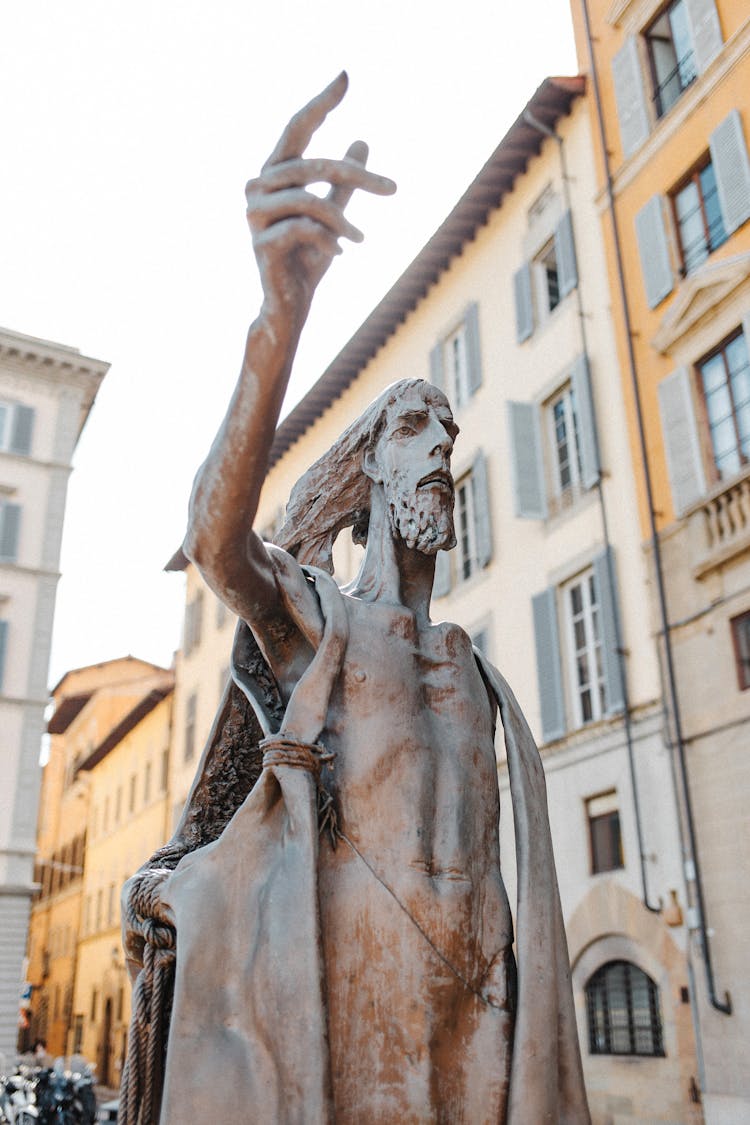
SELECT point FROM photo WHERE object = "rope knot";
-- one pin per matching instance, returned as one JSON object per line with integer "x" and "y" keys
{"x": 286, "y": 750}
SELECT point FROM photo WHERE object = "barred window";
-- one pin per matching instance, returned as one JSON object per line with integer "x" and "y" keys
{"x": 624, "y": 1016}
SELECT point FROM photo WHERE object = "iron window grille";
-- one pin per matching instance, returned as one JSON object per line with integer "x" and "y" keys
{"x": 624, "y": 1016}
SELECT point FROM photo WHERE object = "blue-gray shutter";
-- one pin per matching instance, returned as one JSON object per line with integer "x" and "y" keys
{"x": 524, "y": 302}
{"x": 10, "y": 521}
{"x": 3, "y": 649}
{"x": 632, "y": 111}
{"x": 442, "y": 582}
{"x": 606, "y": 590}
{"x": 437, "y": 372}
{"x": 473, "y": 348}
{"x": 23, "y": 422}
{"x": 580, "y": 381}
{"x": 653, "y": 249}
{"x": 732, "y": 168}
{"x": 548, "y": 665}
{"x": 705, "y": 31}
{"x": 681, "y": 441}
{"x": 482, "y": 516}
{"x": 565, "y": 253}
{"x": 527, "y": 461}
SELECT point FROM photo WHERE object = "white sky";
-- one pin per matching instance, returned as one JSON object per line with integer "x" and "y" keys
{"x": 128, "y": 132}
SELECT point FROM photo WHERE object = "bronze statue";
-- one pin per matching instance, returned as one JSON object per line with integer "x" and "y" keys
{"x": 344, "y": 944}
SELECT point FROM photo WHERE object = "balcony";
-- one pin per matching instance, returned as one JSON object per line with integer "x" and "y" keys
{"x": 719, "y": 527}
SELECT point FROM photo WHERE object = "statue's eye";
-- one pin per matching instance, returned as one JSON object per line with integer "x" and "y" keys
{"x": 403, "y": 432}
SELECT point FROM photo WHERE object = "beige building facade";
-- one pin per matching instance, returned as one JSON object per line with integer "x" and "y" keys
{"x": 46, "y": 393}
{"x": 508, "y": 308}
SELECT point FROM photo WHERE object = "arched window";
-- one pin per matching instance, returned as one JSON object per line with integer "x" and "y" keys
{"x": 622, "y": 1004}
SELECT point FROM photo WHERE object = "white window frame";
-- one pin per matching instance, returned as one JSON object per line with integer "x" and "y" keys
{"x": 563, "y": 495}
{"x": 456, "y": 366}
{"x": 591, "y": 648}
{"x": 467, "y": 554}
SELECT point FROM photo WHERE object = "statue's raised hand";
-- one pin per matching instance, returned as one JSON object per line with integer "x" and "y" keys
{"x": 295, "y": 233}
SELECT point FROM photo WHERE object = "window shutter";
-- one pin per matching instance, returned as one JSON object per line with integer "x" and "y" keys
{"x": 524, "y": 305}
{"x": 565, "y": 252}
{"x": 705, "y": 31}
{"x": 606, "y": 589}
{"x": 580, "y": 380}
{"x": 730, "y": 161}
{"x": 482, "y": 509}
{"x": 442, "y": 582}
{"x": 681, "y": 443}
{"x": 23, "y": 422}
{"x": 3, "y": 648}
{"x": 473, "y": 350}
{"x": 632, "y": 111}
{"x": 653, "y": 249}
{"x": 437, "y": 374}
{"x": 527, "y": 462}
{"x": 548, "y": 668}
{"x": 10, "y": 520}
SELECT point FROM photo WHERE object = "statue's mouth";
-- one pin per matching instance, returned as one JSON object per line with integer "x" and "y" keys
{"x": 438, "y": 479}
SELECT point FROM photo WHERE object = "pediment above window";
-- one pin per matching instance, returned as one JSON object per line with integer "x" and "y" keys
{"x": 698, "y": 295}
{"x": 631, "y": 15}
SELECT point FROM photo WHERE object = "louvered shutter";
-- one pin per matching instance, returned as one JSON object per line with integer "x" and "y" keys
{"x": 482, "y": 516}
{"x": 705, "y": 31}
{"x": 527, "y": 463}
{"x": 653, "y": 249}
{"x": 732, "y": 168}
{"x": 442, "y": 582}
{"x": 473, "y": 349}
{"x": 548, "y": 664}
{"x": 3, "y": 649}
{"x": 10, "y": 522}
{"x": 23, "y": 422}
{"x": 437, "y": 371}
{"x": 606, "y": 589}
{"x": 524, "y": 303}
{"x": 565, "y": 253}
{"x": 580, "y": 381}
{"x": 632, "y": 111}
{"x": 681, "y": 442}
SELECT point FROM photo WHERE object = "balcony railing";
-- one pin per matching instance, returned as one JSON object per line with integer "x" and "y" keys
{"x": 719, "y": 527}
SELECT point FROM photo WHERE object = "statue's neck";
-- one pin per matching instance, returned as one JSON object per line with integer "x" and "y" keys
{"x": 391, "y": 572}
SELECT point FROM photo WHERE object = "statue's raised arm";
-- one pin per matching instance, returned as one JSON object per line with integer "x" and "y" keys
{"x": 295, "y": 238}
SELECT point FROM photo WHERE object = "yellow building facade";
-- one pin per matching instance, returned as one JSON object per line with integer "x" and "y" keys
{"x": 96, "y": 709}
{"x": 670, "y": 110}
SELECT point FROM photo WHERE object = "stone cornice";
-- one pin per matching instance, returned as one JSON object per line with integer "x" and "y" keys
{"x": 699, "y": 295}
{"x": 44, "y": 356}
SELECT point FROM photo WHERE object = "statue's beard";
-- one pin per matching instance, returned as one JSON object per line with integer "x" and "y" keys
{"x": 422, "y": 518}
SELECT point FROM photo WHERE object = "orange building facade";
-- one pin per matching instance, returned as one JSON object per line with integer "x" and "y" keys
{"x": 670, "y": 106}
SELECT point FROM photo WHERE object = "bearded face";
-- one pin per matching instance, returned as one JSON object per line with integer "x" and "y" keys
{"x": 422, "y": 515}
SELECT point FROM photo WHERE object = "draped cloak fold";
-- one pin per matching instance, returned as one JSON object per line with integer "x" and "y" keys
{"x": 248, "y": 1025}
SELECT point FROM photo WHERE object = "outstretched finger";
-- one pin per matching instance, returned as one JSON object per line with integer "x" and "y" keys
{"x": 300, "y": 172}
{"x": 340, "y": 194}
{"x": 298, "y": 133}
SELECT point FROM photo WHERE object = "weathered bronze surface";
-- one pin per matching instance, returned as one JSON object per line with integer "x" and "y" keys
{"x": 344, "y": 944}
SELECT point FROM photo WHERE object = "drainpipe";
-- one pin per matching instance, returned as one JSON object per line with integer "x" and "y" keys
{"x": 627, "y": 725}
{"x": 725, "y": 1005}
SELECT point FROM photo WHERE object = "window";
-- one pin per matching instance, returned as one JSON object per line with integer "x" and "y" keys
{"x": 190, "y": 711}
{"x": 471, "y": 517}
{"x": 456, "y": 361}
{"x": 118, "y": 804}
{"x": 584, "y": 638}
{"x": 548, "y": 291}
{"x": 741, "y": 638}
{"x": 554, "y": 447}
{"x": 700, "y": 226}
{"x": 94, "y": 1004}
{"x": 193, "y": 623}
{"x": 10, "y": 525}
{"x": 164, "y": 770}
{"x": 604, "y": 833}
{"x": 78, "y": 1035}
{"x": 725, "y": 384}
{"x": 671, "y": 56}
{"x": 111, "y": 905}
{"x": 579, "y": 671}
{"x": 545, "y": 280}
{"x": 99, "y": 905}
{"x": 16, "y": 426}
{"x": 147, "y": 784}
{"x": 3, "y": 648}
{"x": 624, "y": 1018}
{"x": 131, "y": 793}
